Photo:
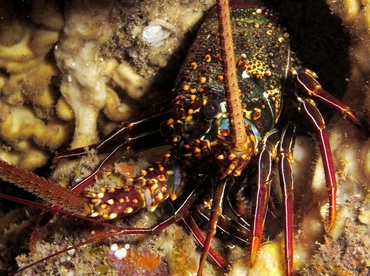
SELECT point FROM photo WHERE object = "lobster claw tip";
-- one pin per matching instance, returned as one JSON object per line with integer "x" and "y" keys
{"x": 255, "y": 243}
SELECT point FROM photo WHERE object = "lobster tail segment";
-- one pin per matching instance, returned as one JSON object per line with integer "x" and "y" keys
{"x": 148, "y": 190}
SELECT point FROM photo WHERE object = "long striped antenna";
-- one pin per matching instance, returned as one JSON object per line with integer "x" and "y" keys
{"x": 44, "y": 188}
{"x": 233, "y": 93}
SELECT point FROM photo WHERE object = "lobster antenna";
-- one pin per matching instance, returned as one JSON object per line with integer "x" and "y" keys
{"x": 233, "y": 93}
{"x": 44, "y": 188}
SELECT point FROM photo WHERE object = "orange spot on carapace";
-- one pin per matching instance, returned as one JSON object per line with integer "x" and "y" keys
{"x": 125, "y": 169}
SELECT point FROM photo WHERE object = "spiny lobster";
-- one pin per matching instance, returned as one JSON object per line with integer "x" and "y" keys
{"x": 227, "y": 103}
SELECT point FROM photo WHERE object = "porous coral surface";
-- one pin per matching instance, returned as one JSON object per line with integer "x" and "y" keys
{"x": 74, "y": 71}
{"x": 29, "y": 127}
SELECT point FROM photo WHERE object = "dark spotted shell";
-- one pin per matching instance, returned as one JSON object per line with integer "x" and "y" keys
{"x": 262, "y": 59}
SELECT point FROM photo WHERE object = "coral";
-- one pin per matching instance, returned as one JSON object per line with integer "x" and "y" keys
{"x": 271, "y": 261}
{"x": 77, "y": 55}
{"x": 15, "y": 224}
{"x": 71, "y": 72}
{"x": 169, "y": 253}
{"x": 347, "y": 254}
{"x": 28, "y": 127}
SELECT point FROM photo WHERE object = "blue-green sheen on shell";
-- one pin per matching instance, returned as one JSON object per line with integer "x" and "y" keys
{"x": 263, "y": 60}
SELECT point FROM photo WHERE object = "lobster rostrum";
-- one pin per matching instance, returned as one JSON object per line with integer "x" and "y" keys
{"x": 228, "y": 99}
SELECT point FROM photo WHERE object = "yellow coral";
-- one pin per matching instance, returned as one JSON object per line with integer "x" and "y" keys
{"x": 18, "y": 52}
{"x": 64, "y": 110}
{"x": 27, "y": 127}
{"x": 269, "y": 262}
{"x": 114, "y": 108}
{"x": 47, "y": 13}
{"x": 21, "y": 123}
{"x": 75, "y": 84}
{"x": 83, "y": 86}
{"x": 129, "y": 80}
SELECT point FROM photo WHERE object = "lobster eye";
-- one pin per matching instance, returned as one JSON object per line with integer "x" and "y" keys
{"x": 166, "y": 130}
{"x": 211, "y": 109}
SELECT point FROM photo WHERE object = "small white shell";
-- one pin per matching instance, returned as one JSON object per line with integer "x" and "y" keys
{"x": 154, "y": 35}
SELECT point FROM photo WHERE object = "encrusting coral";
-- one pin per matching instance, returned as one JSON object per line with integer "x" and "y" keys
{"x": 62, "y": 69}
{"x": 28, "y": 126}
{"x": 83, "y": 69}
{"x": 345, "y": 250}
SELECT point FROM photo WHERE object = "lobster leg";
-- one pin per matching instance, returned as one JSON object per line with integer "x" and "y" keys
{"x": 198, "y": 235}
{"x": 314, "y": 116}
{"x": 312, "y": 88}
{"x": 230, "y": 221}
{"x": 135, "y": 136}
{"x": 54, "y": 209}
{"x": 128, "y": 134}
{"x": 285, "y": 157}
{"x": 112, "y": 157}
{"x": 264, "y": 178}
{"x": 181, "y": 213}
{"x": 212, "y": 224}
